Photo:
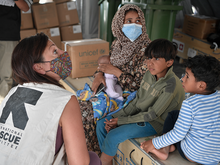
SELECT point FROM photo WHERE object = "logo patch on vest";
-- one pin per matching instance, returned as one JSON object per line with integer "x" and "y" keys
{"x": 15, "y": 107}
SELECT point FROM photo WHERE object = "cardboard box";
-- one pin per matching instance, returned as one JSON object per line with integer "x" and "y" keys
{"x": 199, "y": 26}
{"x": 53, "y": 34}
{"x": 36, "y": 1}
{"x": 189, "y": 46}
{"x": 42, "y": 1}
{"x": 79, "y": 83}
{"x": 27, "y": 33}
{"x": 129, "y": 153}
{"x": 72, "y": 32}
{"x": 45, "y": 15}
{"x": 67, "y": 13}
{"x": 61, "y": 1}
{"x": 26, "y": 19}
{"x": 84, "y": 55}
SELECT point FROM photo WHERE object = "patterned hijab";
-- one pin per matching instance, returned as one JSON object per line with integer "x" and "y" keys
{"x": 124, "y": 50}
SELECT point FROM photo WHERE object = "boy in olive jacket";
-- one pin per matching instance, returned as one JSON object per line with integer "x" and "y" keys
{"x": 160, "y": 92}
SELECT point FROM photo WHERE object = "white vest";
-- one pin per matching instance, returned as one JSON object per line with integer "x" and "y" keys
{"x": 29, "y": 118}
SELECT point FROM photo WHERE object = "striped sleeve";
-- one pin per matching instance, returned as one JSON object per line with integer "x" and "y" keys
{"x": 180, "y": 129}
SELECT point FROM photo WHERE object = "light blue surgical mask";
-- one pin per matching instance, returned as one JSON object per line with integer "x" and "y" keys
{"x": 132, "y": 31}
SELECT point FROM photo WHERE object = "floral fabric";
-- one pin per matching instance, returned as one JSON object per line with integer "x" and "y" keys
{"x": 133, "y": 69}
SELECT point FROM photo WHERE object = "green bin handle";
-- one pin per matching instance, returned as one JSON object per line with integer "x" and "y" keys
{"x": 141, "y": 5}
{"x": 100, "y": 2}
{"x": 164, "y": 7}
{"x": 155, "y": 7}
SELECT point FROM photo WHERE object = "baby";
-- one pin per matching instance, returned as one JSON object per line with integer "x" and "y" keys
{"x": 112, "y": 88}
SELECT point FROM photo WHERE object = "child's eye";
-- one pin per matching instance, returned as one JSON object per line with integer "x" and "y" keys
{"x": 138, "y": 21}
{"x": 148, "y": 58}
{"x": 157, "y": 59}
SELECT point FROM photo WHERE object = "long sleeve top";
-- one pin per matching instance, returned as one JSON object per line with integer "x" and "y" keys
{"x": 153, "y": 101}
{"x": 198, "y": 129}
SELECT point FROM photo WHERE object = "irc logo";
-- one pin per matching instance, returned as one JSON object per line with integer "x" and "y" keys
{"x": 15, "y": 105}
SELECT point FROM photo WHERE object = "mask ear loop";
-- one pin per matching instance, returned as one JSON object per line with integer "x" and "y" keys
{"x": 45, "y": 62}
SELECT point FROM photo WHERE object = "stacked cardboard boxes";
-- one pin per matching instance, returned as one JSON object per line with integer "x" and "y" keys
{"x": 199, "y": 26}
{"x": 46, "y": 21}
{"x": 192, "y": 40}
{"x": 60, "y": 22}
{"x": 189, "y": 46}
{"x": 58, "y": 19}
{"x": 27, "y": 27}
{"x": 68, "y": 20}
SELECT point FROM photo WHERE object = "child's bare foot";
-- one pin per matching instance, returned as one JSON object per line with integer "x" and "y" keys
{"x": 172, "y": 148}
{"x": 163, "y": 153}
{"x": 160, "y": 153}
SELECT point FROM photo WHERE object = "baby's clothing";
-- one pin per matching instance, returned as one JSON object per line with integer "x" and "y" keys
{"x": 112, "y": 88}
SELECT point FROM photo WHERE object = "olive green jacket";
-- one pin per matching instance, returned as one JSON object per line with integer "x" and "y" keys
{"x": 153, "y": 101}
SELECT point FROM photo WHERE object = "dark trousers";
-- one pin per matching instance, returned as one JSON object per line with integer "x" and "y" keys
{"x": 169, "y": 124}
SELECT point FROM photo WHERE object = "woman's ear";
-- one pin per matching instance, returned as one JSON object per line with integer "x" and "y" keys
{"x": 170, "y": 63}
{"x": 38, "y": 68}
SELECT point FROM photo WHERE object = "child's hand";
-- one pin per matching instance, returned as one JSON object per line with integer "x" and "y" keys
{"x": 107, "y": 128}
{"x": 112, "y": 122}
{"x": 147, "y": 146}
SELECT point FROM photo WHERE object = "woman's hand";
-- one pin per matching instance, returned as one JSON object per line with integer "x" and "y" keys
{"x": 99, "y": 78}
{"x": 110, "y": 69}
{"x": 147, "y": 146}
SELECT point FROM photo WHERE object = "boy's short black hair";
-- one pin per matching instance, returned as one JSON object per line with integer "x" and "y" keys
{"x": 205, "y": 68}
{"x": 161, "y": 48}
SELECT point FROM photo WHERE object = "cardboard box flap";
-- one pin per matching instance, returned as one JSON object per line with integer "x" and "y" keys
{"x": 203, "y": 17}
{"x": 84, "y": 55}
{"x": 83, "y": 42}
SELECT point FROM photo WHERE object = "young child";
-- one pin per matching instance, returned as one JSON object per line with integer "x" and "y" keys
{"x": 160, "y": 92}
{"x": 113, "y": 89}
{"x": 195, "y": 129}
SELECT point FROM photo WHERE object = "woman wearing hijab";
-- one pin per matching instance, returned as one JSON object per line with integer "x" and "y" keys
{"x": 127, "y": 55}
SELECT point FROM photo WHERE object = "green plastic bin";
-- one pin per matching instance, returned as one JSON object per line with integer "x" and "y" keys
{"x": 108, "y": 9}
{"x": 160, "y": 16}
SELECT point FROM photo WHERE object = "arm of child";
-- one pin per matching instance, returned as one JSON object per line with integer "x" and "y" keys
{"x": 180, "y": 129}
{"x": 130, "y": 109}
{"x": 162, "y": 104}
{"x": 73, "y": 134}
